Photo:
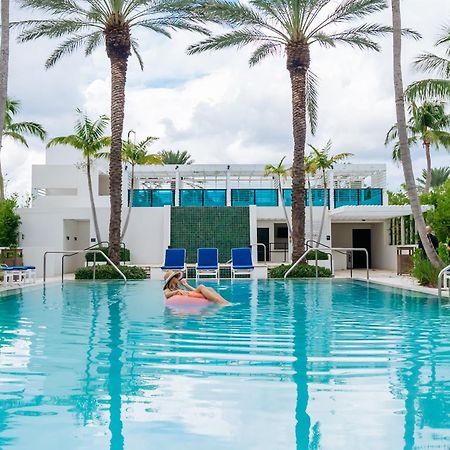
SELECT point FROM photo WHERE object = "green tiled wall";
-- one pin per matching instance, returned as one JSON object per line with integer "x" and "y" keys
{"x": 223, "y": 228}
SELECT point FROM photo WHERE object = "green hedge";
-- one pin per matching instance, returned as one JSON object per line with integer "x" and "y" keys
{"x": 425, "y": 273}
{"x": 124, "y": 255}
{"x": 105, "y": 272}
{"x": 321, "y": 256}
{"x": 301, "y": 271}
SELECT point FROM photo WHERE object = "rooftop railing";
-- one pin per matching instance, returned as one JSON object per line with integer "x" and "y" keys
{"x": 258, "y": 197}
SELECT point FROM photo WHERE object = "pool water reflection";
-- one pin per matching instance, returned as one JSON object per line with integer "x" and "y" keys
{"x": 296, "y": 365}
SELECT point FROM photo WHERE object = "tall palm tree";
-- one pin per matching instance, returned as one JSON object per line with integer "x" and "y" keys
{"x": 280, "y": 172}
{"x": 324, "y": 161}
{"x": 136, "y": 154}
{"x": 18, "y": 131}
{"x": 178, "y": 157}
{"x": 403, "y": 135}
{"x": 439, "y": 175}
{"x": 89, "y": 137}
{"x": 292, "y": 27}
{"x": 310, "y": 171}
{"x": 4, "y": 64}
{"x": 428, "y": 124}
{"x": 90, "y": 23}
{"x": 437, "y": 88}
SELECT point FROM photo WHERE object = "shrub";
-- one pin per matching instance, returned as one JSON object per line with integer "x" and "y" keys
{"x": 321, "y": 256}
{"x": 301, "y": 271}
{"x": 9, "y": 222}
{"x": 105, "y": 272}
{"x": 425, "y": 273}
{"x": 124, "y": 255}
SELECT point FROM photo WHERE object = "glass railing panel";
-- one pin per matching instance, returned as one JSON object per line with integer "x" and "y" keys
{"x": 287, "y": 196}
{"x": 162, "y": 197}
{"x": 214, "y": 197}
{"x": 266, "y": 197}
{"x": 191, "y": 197}
{"x": 371, "y": 196}
{"x": 346, "y": 197}
{"x": 242, "y": 197}
{"x": 142, "y": 198}
{"x": 319, "y": 197}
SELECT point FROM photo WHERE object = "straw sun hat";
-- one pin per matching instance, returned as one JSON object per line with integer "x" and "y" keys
{"x": 168, "y": 276}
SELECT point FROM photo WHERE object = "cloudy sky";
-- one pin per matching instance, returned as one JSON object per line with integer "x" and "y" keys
{"x": 216, "y": 107}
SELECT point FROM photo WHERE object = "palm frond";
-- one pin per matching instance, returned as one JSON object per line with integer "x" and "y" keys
{"x": 31, "y": 128}
{"x": 92, "y": 42}
{"x": 433, "y": 64}
{"x": 436, "y": 89}
{"x": 312, "y": 100}
{"x": 66, "y": 48}
{"x": 17, "y": 137}
{"x": 135, "y": 48}
{"x": 264, "y": 50}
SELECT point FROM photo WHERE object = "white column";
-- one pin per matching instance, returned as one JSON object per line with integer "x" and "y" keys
{"x": 331, "y": 186}
{"x": 402, "y": 230}
{"x": 228, "y": 187}
{"x": 177, "y": 187}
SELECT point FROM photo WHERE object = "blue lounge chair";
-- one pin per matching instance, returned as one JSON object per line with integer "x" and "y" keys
{"x": 175, "y": 259}
{"x": 241, "y": 261}
{"x": 207, "y": 262}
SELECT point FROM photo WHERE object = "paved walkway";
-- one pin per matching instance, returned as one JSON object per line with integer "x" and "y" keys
{"x": 388, "y": 278}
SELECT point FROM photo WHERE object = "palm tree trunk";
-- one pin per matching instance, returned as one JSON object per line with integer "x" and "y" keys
{"x": 118, "y": 49}
{"x": 298, "y": 60}
{"x": 4, "y": 62}
{"x": 91, "y": 198}
{"x": 130, "y": 206}
{"x": 324, "y": 209}
{"x": 428, "y": 178}
{"x": 403, "y": 137}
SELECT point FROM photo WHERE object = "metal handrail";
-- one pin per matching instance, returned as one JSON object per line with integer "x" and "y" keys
{"x": 441, "y": 279}
{"x": 307, "y": 243}
{"x": 331, "y": 249}
{"x": 74, "y": 252}
{"x": 265, "y": 249}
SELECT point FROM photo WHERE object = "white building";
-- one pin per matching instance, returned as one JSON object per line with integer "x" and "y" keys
{"x": 211, "y": 205}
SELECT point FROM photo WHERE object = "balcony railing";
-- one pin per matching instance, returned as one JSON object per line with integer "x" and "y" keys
{"x": 153, "y": 197}
{"x": 258, "y": 197}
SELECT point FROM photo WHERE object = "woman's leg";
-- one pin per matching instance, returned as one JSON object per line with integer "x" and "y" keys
{"x": 211, "y": 294}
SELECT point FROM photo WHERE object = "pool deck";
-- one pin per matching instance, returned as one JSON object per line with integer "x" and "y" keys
{"x": 390, "y": 279}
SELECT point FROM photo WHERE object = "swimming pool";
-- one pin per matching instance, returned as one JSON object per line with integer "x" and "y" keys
{"x": 292, "y": 365}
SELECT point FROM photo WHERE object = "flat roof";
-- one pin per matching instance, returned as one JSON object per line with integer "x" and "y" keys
{"x": 371, "y": 213}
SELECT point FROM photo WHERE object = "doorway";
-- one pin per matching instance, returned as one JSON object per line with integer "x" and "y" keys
{"x": 263, "y": 237}
{"x": 361, "y": 238}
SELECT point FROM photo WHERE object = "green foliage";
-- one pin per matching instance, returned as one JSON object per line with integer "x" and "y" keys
{"x": 439, "y": 217}
{"x": 443, "y": 252}
{"x": 105, "y": 272}
{"x": 424, "y": 271}
{"x": 9, "y": 222}
{"x": 124, "y": 255}
{"x": 178, "y": 157}
{"x": 321, "y": 256}
{"x": 301, "y": 271}
{"x": 398, "y": 198}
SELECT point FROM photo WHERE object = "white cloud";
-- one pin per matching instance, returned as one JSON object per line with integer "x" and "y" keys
{"x": 215, "y": 106}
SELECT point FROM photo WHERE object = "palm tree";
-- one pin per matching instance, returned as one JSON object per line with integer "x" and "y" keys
{"x": 437, "y": 88}
{"x": 18, "y": 130}
{"x": 89, "y": 137}
{"x": 280, "y": 173}
{"x": 4, "y": 63}
{"x": 136, "y": 154}
{"x": 178, "y": 157}
{"x": 439, "y": 175}
{"x": 90, "y": 23}
{"x": 324, "y": 161}
{"x": 428, "y": 123}
{"x": 310, "y": 171}
{"x": 292, "y": 27}
{"x": 403, "y": 135}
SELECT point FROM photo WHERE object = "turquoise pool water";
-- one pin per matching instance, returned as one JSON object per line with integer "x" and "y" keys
{"x": 296, "y": 365}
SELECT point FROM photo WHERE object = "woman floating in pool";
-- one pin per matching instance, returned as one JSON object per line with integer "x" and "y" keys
{"x": 175, "y": 285}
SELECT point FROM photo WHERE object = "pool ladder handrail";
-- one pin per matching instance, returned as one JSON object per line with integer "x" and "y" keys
{"x": 313, "y": 241}
{"x": 331, "y": 250}
{"x": 445, "y": 270}
{"x": 77, "y": 252}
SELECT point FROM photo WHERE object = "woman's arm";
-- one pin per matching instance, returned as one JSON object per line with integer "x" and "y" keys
{"x": 184, "y": 283}
{"x": 168, "y": 293}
